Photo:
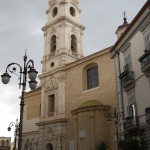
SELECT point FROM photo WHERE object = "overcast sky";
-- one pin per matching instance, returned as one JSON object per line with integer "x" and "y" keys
{"x": 20, "y": 29}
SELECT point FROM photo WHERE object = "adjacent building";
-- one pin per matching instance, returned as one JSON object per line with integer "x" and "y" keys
{"x": 69, "y": 110}
{"x": 5, "y": 143}
{"x": 131, "y": 53}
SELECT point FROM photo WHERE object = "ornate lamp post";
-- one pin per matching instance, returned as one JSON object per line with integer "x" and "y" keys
{"x": 23, "y": 71}
{"x": 16, "y": 125}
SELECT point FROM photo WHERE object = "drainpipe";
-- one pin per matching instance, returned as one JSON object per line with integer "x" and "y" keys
{"x": 120, "y": 98}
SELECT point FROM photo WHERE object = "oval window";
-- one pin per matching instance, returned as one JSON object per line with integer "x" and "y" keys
{"x": 52, "y": 64}
{"x": 54, "y": 12}
{"x": 72, "y": 11}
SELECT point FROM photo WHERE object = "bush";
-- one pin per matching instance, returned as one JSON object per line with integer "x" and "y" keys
{"x": 133, "y": 144}
{"x": 101, "y": 145}
{"x": 129, "y": 144}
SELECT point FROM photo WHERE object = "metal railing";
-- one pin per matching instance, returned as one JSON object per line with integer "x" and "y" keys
{"x": 127, "y": 76}
{"x": 131, "y": 123}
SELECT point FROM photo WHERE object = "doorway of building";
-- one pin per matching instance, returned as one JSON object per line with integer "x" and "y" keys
{"x": 49, "y": 146}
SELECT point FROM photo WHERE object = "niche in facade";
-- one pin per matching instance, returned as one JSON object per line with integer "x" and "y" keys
{"x": 53, "y": 43}
{"x": 51, "y": 102}
{"x": 73, "y": 43}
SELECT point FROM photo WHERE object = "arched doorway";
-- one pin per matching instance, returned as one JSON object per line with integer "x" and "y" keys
{"x": 49, "y": 146}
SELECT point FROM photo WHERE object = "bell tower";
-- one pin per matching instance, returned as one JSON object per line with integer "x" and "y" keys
{"x": 63, "y": 44}
{"x": 63, "y": 34}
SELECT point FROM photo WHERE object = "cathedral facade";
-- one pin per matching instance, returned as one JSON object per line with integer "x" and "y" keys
{"x": 70, "y": 108}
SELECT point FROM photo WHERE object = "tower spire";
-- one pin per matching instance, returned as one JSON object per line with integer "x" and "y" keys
{"x": 122, "y": 27}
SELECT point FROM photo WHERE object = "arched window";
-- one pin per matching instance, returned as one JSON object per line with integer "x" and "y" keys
{"x": 3, "y": 143}
{"x": 7, "y": 143}
{"x": 49, "y": 146}
{"x": 92, "y": 77}
{"x": 73, "y": 43}
{"x": 53, "y": 43}
{"x": 51, "y": 105}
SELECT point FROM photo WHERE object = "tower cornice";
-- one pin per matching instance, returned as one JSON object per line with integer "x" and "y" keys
{"x": 63, "y": 1}
{"x": 60, "y": 19}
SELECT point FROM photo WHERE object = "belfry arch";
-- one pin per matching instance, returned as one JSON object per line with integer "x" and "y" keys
{"x": 73, "y": 43}
{"x": 53, "y": 44}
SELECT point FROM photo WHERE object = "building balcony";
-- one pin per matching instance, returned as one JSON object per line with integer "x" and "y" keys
{"x": 127, "y": 80}
{"x": 131, "y": 123}
{"x": 145, "y": 63}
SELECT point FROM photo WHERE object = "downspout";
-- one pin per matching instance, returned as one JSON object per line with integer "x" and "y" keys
{"x": 120, "y": 98}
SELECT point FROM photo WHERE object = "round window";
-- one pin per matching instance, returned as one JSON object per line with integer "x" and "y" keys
{"x": 72, "y": 11}
{"x": 54, "y": 12}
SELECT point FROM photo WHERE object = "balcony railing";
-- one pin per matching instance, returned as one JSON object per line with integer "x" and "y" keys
{"x": 51, "y": 114}
{"x": 127, "y": 79}
{"x": 145, "y": 63}
{"x": 131, "y": 123}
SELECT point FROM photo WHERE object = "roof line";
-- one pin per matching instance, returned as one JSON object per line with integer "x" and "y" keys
{"x": 147, "y": 4}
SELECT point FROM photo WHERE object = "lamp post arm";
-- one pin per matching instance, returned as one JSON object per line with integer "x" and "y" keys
{"x": 12, "y": 124}
{"x": 28, "y": 64}
{"x": 13, "y": 70}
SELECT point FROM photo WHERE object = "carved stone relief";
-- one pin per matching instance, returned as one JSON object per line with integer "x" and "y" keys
{"x": 61, "y": 77}
{"x": 62, "y": 60}
{"x": 51, "y": 83}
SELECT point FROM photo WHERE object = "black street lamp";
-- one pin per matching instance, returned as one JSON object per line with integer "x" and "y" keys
{"x": 22, "y": 82}
{"x": 16, "y": 125}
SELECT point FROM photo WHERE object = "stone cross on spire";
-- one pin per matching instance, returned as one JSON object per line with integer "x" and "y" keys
{"x": 125, "y": 19}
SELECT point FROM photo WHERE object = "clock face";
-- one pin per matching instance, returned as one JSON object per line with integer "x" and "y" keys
{"x": 54, "y": 11}
{"x": 72, "y": 11}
